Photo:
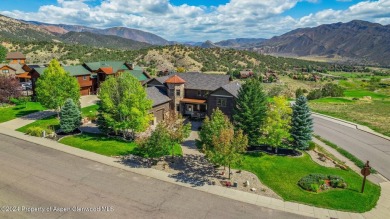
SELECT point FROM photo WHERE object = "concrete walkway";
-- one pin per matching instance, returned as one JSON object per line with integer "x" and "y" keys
{"x": 382, "y": 210}
{"x": 28, "y": 119}
{"x": 189, "y": 145}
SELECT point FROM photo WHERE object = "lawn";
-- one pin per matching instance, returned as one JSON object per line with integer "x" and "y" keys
{"x": 89, "y": 111}
{"x": 332, "y": 100}
{"x": 369, "y": 113}
{"x": 11, "y": 112}
{"x": 104, "y": 145}
{"x": 363, "y": 93}
{"x": 50, "y": 122}
{"x": 282, "y": 174}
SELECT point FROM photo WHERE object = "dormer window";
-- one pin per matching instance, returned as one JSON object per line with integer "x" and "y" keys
{"x": 5, "y": 71}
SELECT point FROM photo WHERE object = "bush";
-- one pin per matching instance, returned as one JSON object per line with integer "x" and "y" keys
{"x": 313, "y": 182}
{"x": 332, "y": 90}
{"x": 38, "y": 131}
{"x": 314, "y": 94}
{"x": 312, "y": 146}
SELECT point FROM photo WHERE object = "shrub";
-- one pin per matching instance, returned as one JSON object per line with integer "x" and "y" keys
{"x": 38, "y": 131}
{"x": 314, "y": 94}
{"x": 314, "y": 181}
{"x": 312, "y": 146}
{"x": 332, "y": 90}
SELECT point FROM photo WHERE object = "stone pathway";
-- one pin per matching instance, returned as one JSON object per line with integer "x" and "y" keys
{"x": 189, "y": 145}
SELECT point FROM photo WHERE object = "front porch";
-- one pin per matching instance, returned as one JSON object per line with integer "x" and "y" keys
{"x": 194, "y": 108}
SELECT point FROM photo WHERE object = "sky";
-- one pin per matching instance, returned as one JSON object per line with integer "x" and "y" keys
{"x": 200, "y": 20}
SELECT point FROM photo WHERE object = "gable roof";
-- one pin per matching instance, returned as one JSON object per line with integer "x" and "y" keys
{"x": 15, "y": 55}
{"x": 157, "y": 95}
{"x": 200, "y": 81}
{"x": 139, "y": 74}
{"x": 232, "y": 88}
{"x": 106, "y": 70}
{"x": 16, "y": 67}
{"x": 116, "y": 65}
{"x": 73, "y": 70}
{"x": 175, "y": 80}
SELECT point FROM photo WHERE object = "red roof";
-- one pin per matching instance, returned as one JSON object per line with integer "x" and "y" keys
{"x": 106, "y": 70}
{"x": 175, "y": 80}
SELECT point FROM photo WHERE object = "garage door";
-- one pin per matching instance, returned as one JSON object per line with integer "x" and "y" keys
{"x": 84, "y": 91}
{"x": 159, "y": 114}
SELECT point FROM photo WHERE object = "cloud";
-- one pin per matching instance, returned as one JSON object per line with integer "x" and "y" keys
{"x": 237, "y": 18}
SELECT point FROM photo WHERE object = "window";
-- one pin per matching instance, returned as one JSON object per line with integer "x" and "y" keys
{"x": 178, "y": 107}
{"x": 84, "y": 77}
{"x": 221, "y": 102}
{"x": 178, "y": 92}
{"x": 199, "y": 93}
{"x": 5, "y": 71}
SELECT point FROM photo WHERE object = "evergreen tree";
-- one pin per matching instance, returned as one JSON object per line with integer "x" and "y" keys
{"x": 70, "y": 116}
{"x": 250, "y": 110}
{"x": 301, "y": 124}
{"x": 3, "y": 53}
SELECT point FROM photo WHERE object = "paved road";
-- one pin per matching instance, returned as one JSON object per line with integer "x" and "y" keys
{"x": 36, "y": 176}
{"x": 363, "y": 145}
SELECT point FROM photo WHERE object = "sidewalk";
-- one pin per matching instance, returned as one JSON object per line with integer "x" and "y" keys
{"x": 382, "y": 210}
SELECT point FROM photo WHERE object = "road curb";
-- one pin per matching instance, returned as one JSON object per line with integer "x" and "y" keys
{"x": 357, "y": 126}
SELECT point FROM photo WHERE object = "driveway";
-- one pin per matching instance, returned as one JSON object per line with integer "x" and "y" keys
{"x": 363, "y": 145}
{"x": 33, "y": 177}
{"x": 88, "y": 100}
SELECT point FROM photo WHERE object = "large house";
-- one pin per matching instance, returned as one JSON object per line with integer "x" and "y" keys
{"x": 91, "y": 75}
{"x": 192, "y": 94}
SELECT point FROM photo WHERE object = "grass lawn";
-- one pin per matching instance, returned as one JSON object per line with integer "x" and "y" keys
{"x": 89, "y": 111}
{"x": 282, "y": 174}
{"x": 11, "y": 112}
{"x": 369, "y": 113}
{"x": 50, "y": 122}
{"x": 362, "y": 93}
{"x": 332, "y": 100}
{"x": 104, "y": 145}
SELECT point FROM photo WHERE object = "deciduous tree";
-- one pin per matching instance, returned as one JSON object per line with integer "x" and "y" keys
{"x": 124, "y": 106}
{"x": 3, "y": 53}
{"x": 251, "y": 109}
{"x": 9, "y": 88}
{"x": 301, "y": 124}
{"x": 55, "y": 86}
{"x": 276, "y": 129}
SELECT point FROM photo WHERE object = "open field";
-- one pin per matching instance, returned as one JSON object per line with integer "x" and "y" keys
{"x": 11, "y": 112}
{"x": 282, "y": 174}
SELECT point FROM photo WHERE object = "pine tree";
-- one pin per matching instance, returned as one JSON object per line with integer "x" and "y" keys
{"x": 70, "y": 116}
{"x": 301, "y": 124}
{"x": 250, "y": 110}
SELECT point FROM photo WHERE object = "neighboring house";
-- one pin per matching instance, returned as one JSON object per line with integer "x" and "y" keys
{"x": 246, "y": 74}
{"x": 270, "y": 77}
{"x": 16, "y": 58}
{"x": 161, "y": 103}
{"x": 196, "y": 94}
{"x": 91, "y": 75}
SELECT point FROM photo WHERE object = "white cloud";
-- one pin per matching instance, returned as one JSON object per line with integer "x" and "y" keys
{"x": 238, "y": 18}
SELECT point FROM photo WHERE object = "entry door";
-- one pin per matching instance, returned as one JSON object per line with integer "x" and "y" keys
{"x": 190, "y": 108}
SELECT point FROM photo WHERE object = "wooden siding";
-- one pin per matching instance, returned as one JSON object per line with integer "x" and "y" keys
{"x": 212, "y": 102}
{"x": 84, "y": 83}
{"x": 10, "y": 70}
{"x": 156, "y": 110}
{"x": 193, "y": 94}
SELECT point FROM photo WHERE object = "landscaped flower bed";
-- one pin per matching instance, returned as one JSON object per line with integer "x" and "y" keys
{"x": 317, "y": 182}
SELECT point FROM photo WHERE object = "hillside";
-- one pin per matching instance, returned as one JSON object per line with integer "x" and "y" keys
{"x": 124, "y": 32}
{"x": 356, "y": 41}
{"x": 240, "y": 42}
{"x": 17, "y": 30}
{"x": 97, "y": 40}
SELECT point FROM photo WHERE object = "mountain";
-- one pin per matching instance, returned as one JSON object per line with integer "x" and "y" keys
{"x": 123, "y": 32}
{"x": 208, "y": 44}
{"x": 240, "y": 42}
{"x": 357, "y": 41}
{"x": 98, "y": 40}
{"x": 17, "y": 30}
